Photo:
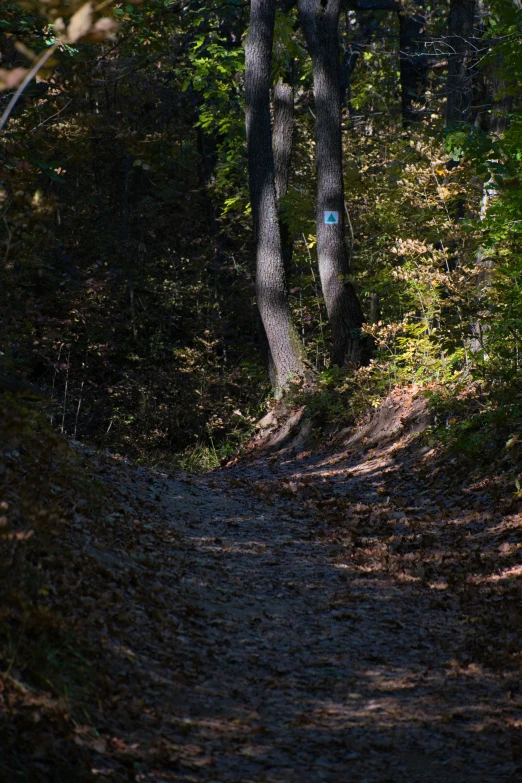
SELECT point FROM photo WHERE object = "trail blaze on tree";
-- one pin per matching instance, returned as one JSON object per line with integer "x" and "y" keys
{"x": 320, "y": 27}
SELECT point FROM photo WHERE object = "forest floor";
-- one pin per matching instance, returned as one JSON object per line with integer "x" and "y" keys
{"x": 346, "y": 615}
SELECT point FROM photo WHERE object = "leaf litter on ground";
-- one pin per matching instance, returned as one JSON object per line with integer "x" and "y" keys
{"x": 342, "y": 614}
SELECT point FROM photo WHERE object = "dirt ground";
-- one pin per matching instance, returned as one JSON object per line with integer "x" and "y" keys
{"x": 348, "y": 615}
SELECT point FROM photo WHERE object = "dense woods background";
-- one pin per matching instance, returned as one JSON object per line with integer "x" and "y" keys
{"x": 127, "y": 253}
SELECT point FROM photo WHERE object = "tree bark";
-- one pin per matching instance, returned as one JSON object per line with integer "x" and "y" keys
{"x": 320, "y": 22}
{"x": 270, "y": 277}
{"x": 282, "y": 142}
{"x": 460, "y": 58}
{"x": 283, "y": 135}
{"x": 413, "y": 62}
{"x": 491, "y": 93}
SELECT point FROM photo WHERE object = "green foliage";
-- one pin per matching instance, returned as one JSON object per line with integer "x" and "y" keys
{"x": 472, "y": 142}
{"x": 499, "y": 301}
{"x": 126, "y": 230}
{"x": 343, "y": 396}
{"x": 478, "y": 422}
{"x": 199, "y": 459}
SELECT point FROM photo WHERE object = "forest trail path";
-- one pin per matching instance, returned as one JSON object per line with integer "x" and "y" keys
{"x": 291, "y": 634}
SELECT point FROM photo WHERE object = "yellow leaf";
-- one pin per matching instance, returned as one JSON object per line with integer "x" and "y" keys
{"x": 81, "y": 23}
{"x": 443, "y": 192}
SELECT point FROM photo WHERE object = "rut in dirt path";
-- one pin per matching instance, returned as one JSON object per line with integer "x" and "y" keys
{"x": 294, "y": 665}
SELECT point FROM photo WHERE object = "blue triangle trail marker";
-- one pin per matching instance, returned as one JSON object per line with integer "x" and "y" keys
{"x": 331, "y": 218}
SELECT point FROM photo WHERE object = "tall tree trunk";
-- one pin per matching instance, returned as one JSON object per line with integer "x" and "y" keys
{"x": 494, "y": 96}
{"x": 320, "y": 21}
{"x": 270, "y": 277}
{"x": 413, "y": 62}
{"x": 283, "y": 135}
{"x": 460, "y": 59}
{"x": 282, "y": 142}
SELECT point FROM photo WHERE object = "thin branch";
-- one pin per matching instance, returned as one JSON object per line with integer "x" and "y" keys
{"x": 51, "y": 117}
{"x": 30, "y": 76}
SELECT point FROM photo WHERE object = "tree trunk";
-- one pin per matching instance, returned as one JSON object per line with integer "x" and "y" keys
{"x": 460, "y": 57}
{"x": 270, "y": 278}
{"x": 282, "y": 142}
{"x": 283, "y": 135}
{"x": 320, "y": 21}
{"x": 494, "y": 96}
{"x": 413, "y": 62}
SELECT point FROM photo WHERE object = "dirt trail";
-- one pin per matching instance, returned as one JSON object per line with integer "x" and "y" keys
{"x": 293, "y": 659}
{"x": 348, "y": 616}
